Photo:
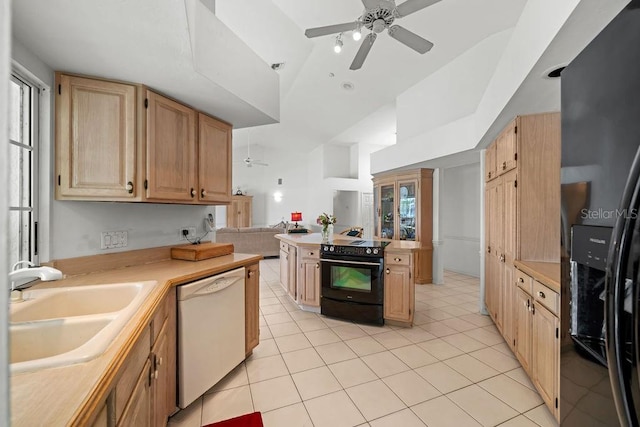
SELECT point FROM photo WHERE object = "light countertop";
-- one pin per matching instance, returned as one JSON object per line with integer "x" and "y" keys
{"x": 315, "y": 239}
{"x": 70, "y": 395}
{"x": 547, "y": 273}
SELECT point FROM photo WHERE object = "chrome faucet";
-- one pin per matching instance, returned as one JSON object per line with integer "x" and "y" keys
{"x": 23, "y": 277}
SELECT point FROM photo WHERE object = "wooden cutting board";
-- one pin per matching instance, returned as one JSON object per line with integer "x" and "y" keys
{"x": 202, "y": 251}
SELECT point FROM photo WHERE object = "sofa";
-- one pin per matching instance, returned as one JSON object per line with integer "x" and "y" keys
{"x": 252, "y": 240}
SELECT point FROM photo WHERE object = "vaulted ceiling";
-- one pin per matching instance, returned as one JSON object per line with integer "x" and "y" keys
{"x": 147, "y": 41}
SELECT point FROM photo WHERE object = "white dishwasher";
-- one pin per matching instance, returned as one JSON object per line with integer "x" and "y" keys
{"x": 211, "y": 334}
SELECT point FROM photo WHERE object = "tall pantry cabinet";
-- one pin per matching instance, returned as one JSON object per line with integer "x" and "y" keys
{"x": 522, "y": 193}
{"x": 522, "y": 223}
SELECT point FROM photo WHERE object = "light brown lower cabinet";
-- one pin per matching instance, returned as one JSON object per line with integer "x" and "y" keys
{"x": 309, "y": 277}
{"x": 145, "y": 390}
{"x": 288, "y": 268}
{"x": 399, "y": 287}
{"x": 536, "y": 337}
{"x": 252, "y": 307}
{"x": 137, "y": 411}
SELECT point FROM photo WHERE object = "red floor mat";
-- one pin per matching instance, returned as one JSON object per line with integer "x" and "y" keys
{"x": 247, "y": 420}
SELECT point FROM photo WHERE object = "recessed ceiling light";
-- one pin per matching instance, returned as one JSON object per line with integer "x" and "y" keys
{"x": 554, "y": 72}
{"x": 277, "y": 66}
{"x": 348, "y": 86}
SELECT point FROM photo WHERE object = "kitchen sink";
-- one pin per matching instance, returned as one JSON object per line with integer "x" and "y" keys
{"x": 63, "y": 326}
{"x": 54, "y": 303}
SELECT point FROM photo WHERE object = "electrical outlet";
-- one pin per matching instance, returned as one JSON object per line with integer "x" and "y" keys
{"x": 114, "y": 239}
{"x": 209, "y": 223}
{"x": 191, "y": 233}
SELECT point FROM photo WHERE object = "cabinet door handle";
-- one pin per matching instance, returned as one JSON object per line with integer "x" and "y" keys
{"x": 130, "y": 187}
{"x": 533, "y": 309}
{"x": 193, "y": 193}
{"x": 203, "y": 193}
{"x": 541, "y": 294}
{"x": 397, "y": 259}
{"x": 387, "y": 271}
{"x": 504, "y": 165}
{"x": 160, "y": 360}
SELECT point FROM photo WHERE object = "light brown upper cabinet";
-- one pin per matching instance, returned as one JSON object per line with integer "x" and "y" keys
{"x": 490, "y": 162}
{"x": 214, "y": 160}
{"x": 239, "y": 212}
{"x": 171, "y": 150}
{"x": 95, "y": 128}
{"x": 122, "y": 142}
{"x": 506, "y": 149}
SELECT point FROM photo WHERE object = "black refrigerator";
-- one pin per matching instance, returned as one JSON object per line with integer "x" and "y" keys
{"x": 600, "y": 96}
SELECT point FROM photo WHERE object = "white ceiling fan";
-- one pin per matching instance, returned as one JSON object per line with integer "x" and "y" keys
{"x": 248, "y": 161}
{"x": 378, "y": 16}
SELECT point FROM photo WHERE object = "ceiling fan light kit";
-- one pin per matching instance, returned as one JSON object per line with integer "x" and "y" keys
{"x": 378, "y": 16}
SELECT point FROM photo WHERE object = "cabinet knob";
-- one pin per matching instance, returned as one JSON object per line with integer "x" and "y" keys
{"x": 317, "y": 265}
{"x": 397, "y": 259}
{"x": 310, "y": 253}
{"x": 160, "y": 360}
{"x": 520, "y": 279}
{"x": 193, "y": 193}
{"x": 203, "y": 193}
{"x": 489, "y": 175}
{"x": 249, "y": 274}
{"x": 488, "y": 249}
{"x": 541, "y": 294}
{"x": 504, "y": 165}
{"x": 130, "y": 187}
{"x": 388, "y": 271}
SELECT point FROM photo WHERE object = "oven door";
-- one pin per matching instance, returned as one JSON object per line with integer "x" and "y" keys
{"x": 352, "y": 279}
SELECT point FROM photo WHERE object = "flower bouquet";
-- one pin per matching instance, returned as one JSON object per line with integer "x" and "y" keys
{"x": 325, "y": 219}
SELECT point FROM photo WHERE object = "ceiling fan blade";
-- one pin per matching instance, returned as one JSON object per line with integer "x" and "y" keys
{"x": 331, "y": 29}
{"x": 370, "y": 4}
{"x": 410, "y": 39}
{"x": 365, "y": 47}
{"x": 410, "y": 6}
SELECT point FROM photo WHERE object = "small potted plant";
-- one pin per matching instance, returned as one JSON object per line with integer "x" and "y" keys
{"x": 325, "y": 219}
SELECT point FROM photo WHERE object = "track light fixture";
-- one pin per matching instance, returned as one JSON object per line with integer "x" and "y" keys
{"x": 357, "y": 33}
{"x": 337, "y": 48}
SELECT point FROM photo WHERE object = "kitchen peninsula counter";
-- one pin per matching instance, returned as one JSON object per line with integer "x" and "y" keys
{"x": 72, "y": 395}
{"x": 300, "y": 272}
{"x": 314, "y": 240}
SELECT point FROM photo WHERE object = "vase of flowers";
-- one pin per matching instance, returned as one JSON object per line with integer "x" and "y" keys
{"x": 325, "y": 220}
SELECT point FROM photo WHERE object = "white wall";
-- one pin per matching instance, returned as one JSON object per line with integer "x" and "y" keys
{"x": 303, "y": 187}
{"x": 460, "y": 219}
{"x": 5, "y": 44}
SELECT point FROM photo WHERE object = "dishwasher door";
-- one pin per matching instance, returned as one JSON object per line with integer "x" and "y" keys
{"x": 211, "y": 332}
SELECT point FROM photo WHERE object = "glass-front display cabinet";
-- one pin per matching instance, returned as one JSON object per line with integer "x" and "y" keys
{"x": 403, "y": 209}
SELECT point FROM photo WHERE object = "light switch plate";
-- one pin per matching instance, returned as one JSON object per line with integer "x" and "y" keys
{"x": 114, "y": 239}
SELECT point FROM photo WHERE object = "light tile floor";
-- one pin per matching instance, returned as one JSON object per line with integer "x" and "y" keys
{"x": 451, "y": 369}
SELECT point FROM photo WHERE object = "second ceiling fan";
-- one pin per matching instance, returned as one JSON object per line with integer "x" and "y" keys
{"x": 378, "y": 16}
